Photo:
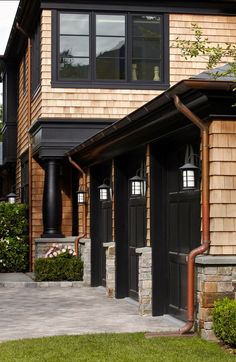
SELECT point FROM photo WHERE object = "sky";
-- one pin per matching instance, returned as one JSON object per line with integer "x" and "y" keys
{"x": 7, "y": 14}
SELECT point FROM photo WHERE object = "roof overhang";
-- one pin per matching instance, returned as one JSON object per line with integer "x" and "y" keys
{"x": 157, "y": 118}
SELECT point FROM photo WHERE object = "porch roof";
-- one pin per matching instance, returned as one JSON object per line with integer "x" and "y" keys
{"x": 206, "y": 98}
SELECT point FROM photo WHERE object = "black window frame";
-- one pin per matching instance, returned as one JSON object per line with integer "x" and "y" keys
{"x": 36, "y": 60}
{"x": 120, "y": 84}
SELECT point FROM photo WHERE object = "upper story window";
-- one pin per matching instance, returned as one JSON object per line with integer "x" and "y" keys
{"x": 110, "y": 49}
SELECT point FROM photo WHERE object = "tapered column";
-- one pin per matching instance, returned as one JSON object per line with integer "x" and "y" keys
{"x": 52, "y": 204}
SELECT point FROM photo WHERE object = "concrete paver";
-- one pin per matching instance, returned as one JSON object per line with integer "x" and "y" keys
{"x": 37, "y": 312}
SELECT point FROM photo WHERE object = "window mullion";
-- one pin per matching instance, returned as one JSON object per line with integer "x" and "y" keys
{"x": 92, "y": 35}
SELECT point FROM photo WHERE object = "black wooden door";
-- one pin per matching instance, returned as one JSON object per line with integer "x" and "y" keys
{"x": 105, "y": 234}
{"x": 183, "y": 235}
{"x": 136, "y": 237}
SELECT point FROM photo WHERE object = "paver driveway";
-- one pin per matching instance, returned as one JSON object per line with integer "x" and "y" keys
{"x": 36, "y": 312}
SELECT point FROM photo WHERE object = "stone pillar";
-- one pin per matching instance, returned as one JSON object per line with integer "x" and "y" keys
{"x": 85, "y": 254}
{"x": 110, "y": 269}
{"x": 145, "y": 280}
{"x": 52, "y": 203}
{"x": 215, "y": 280}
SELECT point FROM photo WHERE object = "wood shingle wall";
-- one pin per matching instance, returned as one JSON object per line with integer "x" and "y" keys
{"x": 223, "y": 187}
{"x": 218, "y": 30}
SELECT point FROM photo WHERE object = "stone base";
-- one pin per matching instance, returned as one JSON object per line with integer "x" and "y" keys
{"x": 85, "y": 254}
{"x": 215, "y": 280}
{"x": 42, "y": 245}
{"x": 145, "y": 280}
{"x": 110, "y": 269}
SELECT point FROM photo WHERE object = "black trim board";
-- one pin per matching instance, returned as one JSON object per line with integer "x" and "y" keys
{"x": 53, "y": 137}
{"x": 182, "y": 7}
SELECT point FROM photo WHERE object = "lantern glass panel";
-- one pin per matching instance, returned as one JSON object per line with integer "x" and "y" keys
{"x": 103, "y": 194}
{"x": 136, "y": 188}
{"x": 81, "y": 197}
{"x": 188, "y": 179}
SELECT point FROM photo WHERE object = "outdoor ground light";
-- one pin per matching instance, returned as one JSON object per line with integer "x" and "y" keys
{"x": 138, "y": 185}
{"x": 11, "y": 198}
{"x": 189, "y": 175}
{"x": 105, "y": 190}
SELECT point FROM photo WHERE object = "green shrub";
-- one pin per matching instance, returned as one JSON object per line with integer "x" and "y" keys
{"x": 61, "y": 267}
{"x": 13, "y": 220}
{"x": 224, "y": 320}
{"x": 13, "y": 255}
{"x": 13, "y": 238}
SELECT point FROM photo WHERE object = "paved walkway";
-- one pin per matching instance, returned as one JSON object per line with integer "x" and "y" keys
{"x": 29, "y": 310}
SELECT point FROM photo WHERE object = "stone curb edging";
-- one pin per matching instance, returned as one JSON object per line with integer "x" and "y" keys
{"x": 65, "y": 284}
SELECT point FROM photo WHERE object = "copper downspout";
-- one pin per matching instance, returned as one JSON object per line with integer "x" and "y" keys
{"x": 205, "y": 211}
{"x": 84, "y": 206}
{"x": 29, "y": 144}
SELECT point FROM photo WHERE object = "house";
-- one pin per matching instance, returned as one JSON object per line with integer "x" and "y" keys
{"x": 88, "y": 105}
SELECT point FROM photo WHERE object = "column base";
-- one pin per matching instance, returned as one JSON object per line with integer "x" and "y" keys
{"x": 50, "y": 236}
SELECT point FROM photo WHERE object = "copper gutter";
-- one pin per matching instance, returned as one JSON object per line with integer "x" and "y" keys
{"x": 81, "y": 236}
{"x": 205, "y": 211}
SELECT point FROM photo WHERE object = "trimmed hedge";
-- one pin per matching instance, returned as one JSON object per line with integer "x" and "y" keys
{"x": 224, "y": 320}
{"x": 13, "y": 238}
{"x": 58, "y": 269}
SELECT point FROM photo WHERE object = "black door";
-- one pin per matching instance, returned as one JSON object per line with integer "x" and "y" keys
{"x": 105, "y": 234}
{"x": 183, "y": 235}
{"x": 136, "y": 239}
{"x": 175, "y": 223}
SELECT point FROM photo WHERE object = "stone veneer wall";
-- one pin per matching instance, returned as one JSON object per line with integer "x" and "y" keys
{"x": 145, "y": 280}
{"x": 85, "y": 254}
{"x": 216, "y": 279}
{"x": 42, "y": 245}
{"x": 110, "y": 268}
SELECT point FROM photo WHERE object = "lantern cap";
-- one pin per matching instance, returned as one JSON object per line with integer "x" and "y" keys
{"x": 104, "y": 186}
{"x": 188, "y": 166}
{"x": 137, "y": 178}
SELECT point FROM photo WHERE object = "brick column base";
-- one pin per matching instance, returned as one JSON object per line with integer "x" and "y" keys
{"x": 110, "y": 269}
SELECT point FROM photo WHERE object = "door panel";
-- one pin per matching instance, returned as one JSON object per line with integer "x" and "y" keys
{"x": 183, "y": 235}
{"x": 105, "y": 235}
{"x": 136, "y": 238}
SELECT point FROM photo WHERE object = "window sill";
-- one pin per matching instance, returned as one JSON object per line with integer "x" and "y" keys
{"x": 109, "y": 85}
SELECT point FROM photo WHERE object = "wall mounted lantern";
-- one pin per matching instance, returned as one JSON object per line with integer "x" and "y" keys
{"x": 105, "y": 192}
{"x": 190, "y": 170}
{"x": 11, "y": 198}
{"x": 138, "y": 185}
{"x": 81, "y": 195}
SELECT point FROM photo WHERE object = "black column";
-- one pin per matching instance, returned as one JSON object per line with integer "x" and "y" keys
{"x": 52, "y": 204}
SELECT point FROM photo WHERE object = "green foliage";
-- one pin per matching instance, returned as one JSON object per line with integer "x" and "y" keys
{"x": 224, "y": 320}
{"x": 61, "y": 267}
{"x": 13, "y": 255}
{"x": 13, "y": 237}
{"x": 201, "y": 46}
{"x": 13, "y": 220}
{"x": 117, "y": 347}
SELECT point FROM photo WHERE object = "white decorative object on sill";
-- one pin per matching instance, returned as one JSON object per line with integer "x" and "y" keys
{"x": 156, "y": 73}
{"x": 134, "y": 71}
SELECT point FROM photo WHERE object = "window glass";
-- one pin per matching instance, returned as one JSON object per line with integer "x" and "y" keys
{"x": 74, "y": 68}
{"x": 110, "y": 47}
{"x": 104, "y": 47}
{"x": 110, "y": 25}
{"x": 74, "y": 46}
{"x": 74, "y": 24}
{"x": 146, "y": 48}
